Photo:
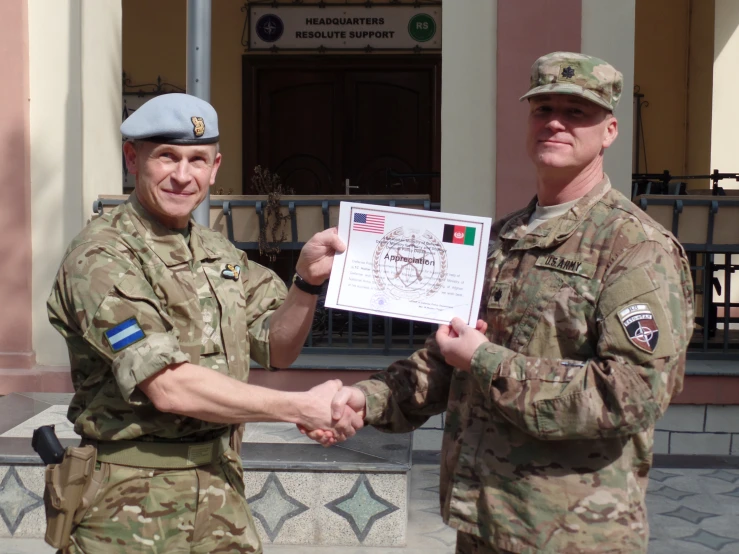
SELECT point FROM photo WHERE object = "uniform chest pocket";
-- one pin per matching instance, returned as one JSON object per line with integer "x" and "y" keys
{"x": 528, "y": 305}
{"x": 231, "y": 300}
{"x": 559, "y": 319}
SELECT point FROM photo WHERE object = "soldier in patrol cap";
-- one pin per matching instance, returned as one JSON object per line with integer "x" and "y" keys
{"x": 161, "y": 317}
{"x": 584, "y": 322}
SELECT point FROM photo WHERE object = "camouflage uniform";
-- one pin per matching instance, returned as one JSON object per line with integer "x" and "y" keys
{"x": 204, "y": 303}
{"x": 548, "y": 439}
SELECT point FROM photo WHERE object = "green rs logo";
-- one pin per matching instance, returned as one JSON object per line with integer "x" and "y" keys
{"x": 422, "y": 27}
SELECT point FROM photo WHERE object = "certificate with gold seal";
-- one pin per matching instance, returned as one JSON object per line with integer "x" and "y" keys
{"x": 411, "y": 264}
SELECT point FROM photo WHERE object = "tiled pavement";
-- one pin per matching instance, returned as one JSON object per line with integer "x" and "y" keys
{"x": 691, "y": 511}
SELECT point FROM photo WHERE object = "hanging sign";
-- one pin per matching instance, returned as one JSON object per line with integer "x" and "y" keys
{"x": 344, "y": 27}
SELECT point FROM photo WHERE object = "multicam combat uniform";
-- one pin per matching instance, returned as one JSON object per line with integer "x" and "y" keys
{"x": 548, "y": 439}
{"x": 203, "y": 303}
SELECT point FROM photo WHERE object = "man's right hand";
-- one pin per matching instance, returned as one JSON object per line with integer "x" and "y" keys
{"x": 326, "y": 419}
{"x": 347, "y": 409}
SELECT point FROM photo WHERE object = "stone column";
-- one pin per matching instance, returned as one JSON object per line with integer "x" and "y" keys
{"x": 608, "y": 32}
{"x": 75, "y": 82}
{"x": 56, "y": 157}
{"x": 102, "y": 100}
{"x": 725, "y": 118}
{"x": 527, "y": 29}
{"x": 468, "y": 107}
{"x": 16, "y": 351}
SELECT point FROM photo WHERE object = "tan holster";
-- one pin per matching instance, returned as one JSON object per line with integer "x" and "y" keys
{"x": 237, "y": 435}
{"x": 71, "y": 487}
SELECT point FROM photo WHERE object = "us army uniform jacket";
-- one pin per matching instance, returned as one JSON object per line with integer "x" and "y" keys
{"x": 548, "y": 439}
{"x": 131, "y": 297}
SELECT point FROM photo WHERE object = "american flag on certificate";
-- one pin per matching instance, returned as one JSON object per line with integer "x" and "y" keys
{"x": 369, "y": 223}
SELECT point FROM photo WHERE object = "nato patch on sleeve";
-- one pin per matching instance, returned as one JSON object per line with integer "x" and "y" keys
{"x": 124, "y": 334}
{"x": 640, "y": 326}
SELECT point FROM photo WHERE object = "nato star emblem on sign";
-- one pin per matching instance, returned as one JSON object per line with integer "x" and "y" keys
{"x": 270, "y": 28}
{"x": 568, "y": 72}
{"x": 640, "y": 326}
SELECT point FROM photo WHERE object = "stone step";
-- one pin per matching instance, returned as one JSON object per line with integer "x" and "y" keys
{"x": 300, "y": 493}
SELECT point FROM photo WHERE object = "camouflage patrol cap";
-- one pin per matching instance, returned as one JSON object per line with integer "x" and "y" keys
{"x": 173, "y": 119}
{"x": 578, "y": 74}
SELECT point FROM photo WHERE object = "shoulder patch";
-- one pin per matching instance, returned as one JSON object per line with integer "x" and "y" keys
{"x": 640, "y": 326}
{"x": 124, "y": 334}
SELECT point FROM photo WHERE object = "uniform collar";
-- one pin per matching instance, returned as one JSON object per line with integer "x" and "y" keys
{"x": 553, "y": 232}
{"x": 169, "y": 245}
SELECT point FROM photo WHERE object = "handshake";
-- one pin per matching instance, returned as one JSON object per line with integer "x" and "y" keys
{"x": 332, "y": 413}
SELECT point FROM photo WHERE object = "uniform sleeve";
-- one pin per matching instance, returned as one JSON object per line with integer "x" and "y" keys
{"x": 265, "y": 292}
{"x": 644, "y": 319}
{"x": 403, "y": 397}
{"x": 103, "y": 297}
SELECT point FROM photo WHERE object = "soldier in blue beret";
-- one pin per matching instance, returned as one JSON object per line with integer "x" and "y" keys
{"x": 161, "y": 316}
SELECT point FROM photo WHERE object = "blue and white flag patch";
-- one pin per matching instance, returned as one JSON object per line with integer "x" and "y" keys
{"x": 124, "y": 335}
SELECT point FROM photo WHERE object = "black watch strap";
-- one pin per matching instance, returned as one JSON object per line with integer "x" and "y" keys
{"x": 305, "y": 286}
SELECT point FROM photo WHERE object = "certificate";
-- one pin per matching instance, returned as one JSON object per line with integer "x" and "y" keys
{"x": 410, "y": 264}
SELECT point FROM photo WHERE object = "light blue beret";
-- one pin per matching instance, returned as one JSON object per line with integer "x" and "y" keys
{"x": 173, "y": 119}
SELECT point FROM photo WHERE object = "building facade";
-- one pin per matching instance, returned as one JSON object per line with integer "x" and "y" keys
{"x": 65, "y": 96}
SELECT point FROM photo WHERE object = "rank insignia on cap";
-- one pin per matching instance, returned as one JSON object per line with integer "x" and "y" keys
{"x": 568, "y": 72}
{"x": 124, "y": 334}
{"x": 231, "y": 272}
{"x": 199, "y": 126}
{"x": 640, "y": 326}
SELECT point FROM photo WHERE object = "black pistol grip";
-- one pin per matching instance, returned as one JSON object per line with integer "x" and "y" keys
{"x": 47, "y": 445}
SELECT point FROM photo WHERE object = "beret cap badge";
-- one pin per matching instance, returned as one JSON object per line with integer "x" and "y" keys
{"x": 198, "y": 126}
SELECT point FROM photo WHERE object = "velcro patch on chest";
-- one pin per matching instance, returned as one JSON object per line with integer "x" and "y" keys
{"x": 498, "y": 297}
{"x": 566, "y": 264}
{"x": 640, "y": 326}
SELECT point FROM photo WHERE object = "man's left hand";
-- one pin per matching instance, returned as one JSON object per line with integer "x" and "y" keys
{"x": 458, "y": 342}
{"x": 317, "y": 256}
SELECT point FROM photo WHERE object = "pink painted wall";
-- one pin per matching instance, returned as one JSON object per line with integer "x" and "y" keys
{"x": 527, "y": 29}
{"x": 15, "y": 190}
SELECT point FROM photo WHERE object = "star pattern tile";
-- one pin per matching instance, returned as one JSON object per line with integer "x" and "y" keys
{"x": 661, "y": 476}
{"x": 709, "y": 540}
{"x": 734, "y": 493}
{"x": 728, "y": 476}
{"x": 688, "y": 514}
{"x": 672, "y": 494}
{"x": 361, "y": 507}
{"x": 434, "y": 510}
{"x": 445, "y": 535}
{"x": 272, "y": 506}
{"x": 16, "y": 500}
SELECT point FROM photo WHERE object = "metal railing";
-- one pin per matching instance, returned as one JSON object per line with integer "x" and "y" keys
{"x": 703, "y": 250}
{"x": 338, "y": 331}
{"x": 333, "y": 331}
{"x": 666, "y": 183}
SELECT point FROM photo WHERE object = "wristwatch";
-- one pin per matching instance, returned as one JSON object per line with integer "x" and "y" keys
{"x": 305, "y": 286}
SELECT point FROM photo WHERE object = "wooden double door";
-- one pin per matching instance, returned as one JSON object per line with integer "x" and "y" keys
{"x": 318, "y": 121}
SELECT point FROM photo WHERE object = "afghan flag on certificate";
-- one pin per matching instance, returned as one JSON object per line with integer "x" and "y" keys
{"x": 459, "y": 234}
